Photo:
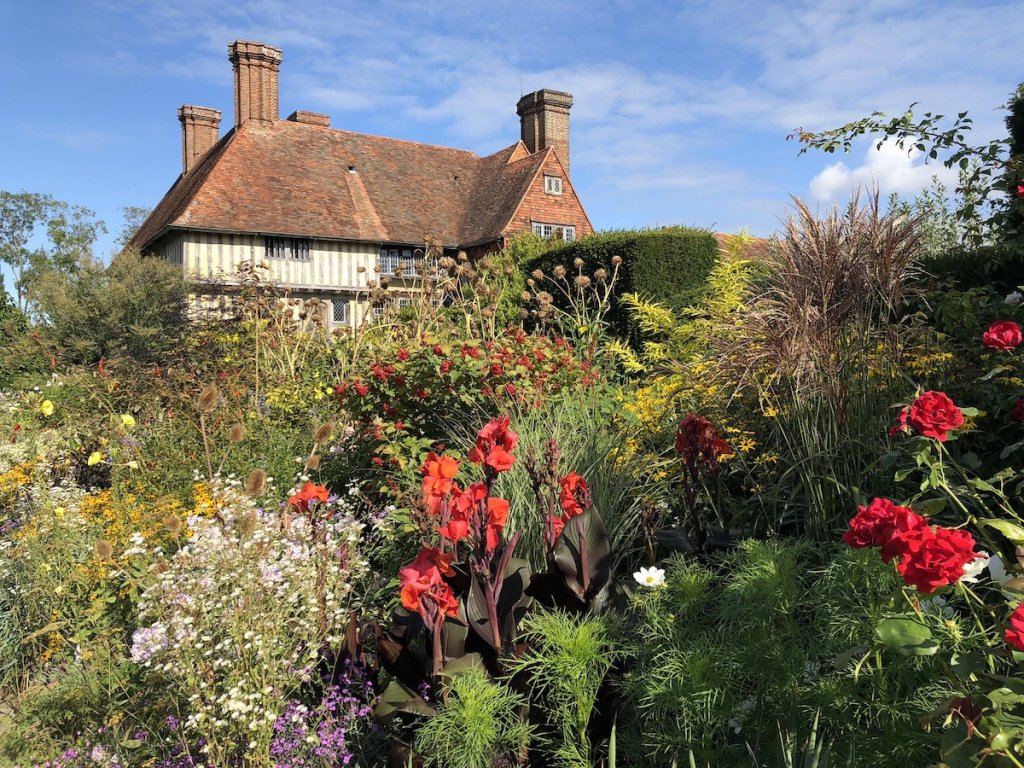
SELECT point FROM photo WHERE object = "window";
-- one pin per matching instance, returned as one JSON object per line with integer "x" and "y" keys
{"x": 401, "y": 302}
{"x": 339, "y": 310}
{"x": 558, "y": 231}
{"x": 296, "y": 248}
{"x": 553, "y": 185}
{"x": 401, "y": 262}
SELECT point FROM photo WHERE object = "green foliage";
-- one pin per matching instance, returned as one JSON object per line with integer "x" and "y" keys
{"x": 480, "y": 724}
{"x": 668, "y": 265}
{"x": 135, "y": 306}
{"x": 565, "y": 664}
{"x": 728, "y": 656}
{"x": 70, "y": 231}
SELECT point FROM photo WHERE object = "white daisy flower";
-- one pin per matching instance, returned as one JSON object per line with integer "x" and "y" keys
{"x": 650, "y": 577}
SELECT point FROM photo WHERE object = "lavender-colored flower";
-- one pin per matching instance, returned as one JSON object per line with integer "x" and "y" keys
{"x": 147, "y": 642}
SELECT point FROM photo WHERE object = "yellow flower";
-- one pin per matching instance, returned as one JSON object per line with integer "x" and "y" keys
{"x": 128, "y": 420}
{"x": 58, "y": 512}
{"x": 95, "y": 458}
{"x": 46, "y": 408}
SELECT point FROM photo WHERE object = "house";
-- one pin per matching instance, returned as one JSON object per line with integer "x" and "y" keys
{"x": 322, "y": 207}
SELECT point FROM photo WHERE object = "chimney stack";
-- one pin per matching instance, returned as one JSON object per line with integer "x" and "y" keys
{"x": 199, "y": 132}
{"x": 544, "y": 122}
{"x": 256, "y": 90}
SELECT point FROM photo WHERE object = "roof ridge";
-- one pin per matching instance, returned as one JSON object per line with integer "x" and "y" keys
{"x": 385, "y": 138}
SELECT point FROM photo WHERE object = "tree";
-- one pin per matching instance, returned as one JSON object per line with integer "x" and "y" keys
{"x": 134, "y": 216}
{"x": 70, "y": 232}
{"x": 984, "y": 168}
{"x": 135, "y": 306}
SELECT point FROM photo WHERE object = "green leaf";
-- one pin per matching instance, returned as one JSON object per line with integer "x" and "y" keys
{"x": 462, "y": 665}
{"x": 930, "y": 507}
{"x": 906, "y": 636}
{"x": 1012, "y": 531}
{"x": 398, "y": 698}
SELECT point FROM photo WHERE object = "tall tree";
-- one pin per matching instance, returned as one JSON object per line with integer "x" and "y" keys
{"x": 39, "y": 234}
{"x": 134, "y": 216}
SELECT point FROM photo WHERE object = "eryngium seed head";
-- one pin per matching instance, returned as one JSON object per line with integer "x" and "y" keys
{"x": 616, "y": 260}
{"x": 537, "y": 274}
{"x": 582, "y": 281}
{"x": 577, "y": 262}
{"x": 601, "y": 274}
{"x": 559, "y": 271}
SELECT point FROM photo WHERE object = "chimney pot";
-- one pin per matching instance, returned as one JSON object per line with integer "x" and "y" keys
{"x": 256, "y": 67}
{"x": 199, "y": 132}
{"x": 544, "y": 122}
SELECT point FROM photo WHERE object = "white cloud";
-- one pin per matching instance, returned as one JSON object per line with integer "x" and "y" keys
{"x": 891, "y": 168}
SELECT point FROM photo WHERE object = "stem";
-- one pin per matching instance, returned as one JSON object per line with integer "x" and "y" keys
{"x": 206, "y": 446}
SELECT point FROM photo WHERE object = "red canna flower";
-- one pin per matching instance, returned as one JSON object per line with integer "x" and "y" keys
{"x": 575, "y": 495}
{"x": 438, "y": 472}
{"x": 697, "y": 441}
{"x": 308, "y": 497}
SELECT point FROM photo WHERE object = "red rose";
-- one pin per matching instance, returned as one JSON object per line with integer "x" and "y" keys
{"x": 938, "y": 560}
{"x": 933, "y": 414}
{"x": 874, "y": 524}
{"x": 1003, "y": 335}
{"x": 905, "y": 535}
{"x": 1018, "y": 410}
{"x": 1015, "y": 632}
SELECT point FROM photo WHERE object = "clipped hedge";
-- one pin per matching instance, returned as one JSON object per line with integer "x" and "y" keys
{"x": 668, "y": 265}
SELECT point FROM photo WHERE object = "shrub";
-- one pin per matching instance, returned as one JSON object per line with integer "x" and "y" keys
{"x": 135, "y": 306}
{"x": 668, "y": 265}
{"x": 479, "y": 725}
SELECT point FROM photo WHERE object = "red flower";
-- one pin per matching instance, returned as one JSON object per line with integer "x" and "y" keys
{"x": 938, "y": 559}
{"x": 905, "y": 535}
{"x": 438, "y": 472}
{"x": 874, "y": 524}
{"x": 1018, "y": 410}
{"x": 423, "y": 576}
{"x": 494, "y": 444}
{"x": 306, "y": 498}
{"x": 557, "y": 526}
{"x": 1003, "y": 335}
{"x": 361, "y": 389}
{"x": 933, "y": 414}
{"x": 575, "y": 495}
{"x": 499, "y": 459}
{"x": 510, "y": 390}
{"x": 438, "y": 350}
{"x": 699, "y": 444}
{"x": 901, "y": 423}
{"x": 1015, "y": 632}
{"x": 497, "y": 516}
{"x": 446, "y": 366}
{"x": 1020, "y": 190}
{"x": 402, "y": 354}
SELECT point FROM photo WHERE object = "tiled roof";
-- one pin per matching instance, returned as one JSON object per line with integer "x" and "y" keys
{"x": 292, "y": 178}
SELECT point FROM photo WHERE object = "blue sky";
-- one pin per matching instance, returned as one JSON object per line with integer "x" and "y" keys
{"x": 681, "y": 108}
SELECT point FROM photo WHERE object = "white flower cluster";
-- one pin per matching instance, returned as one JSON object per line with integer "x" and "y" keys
{"x": 238, "y": 617}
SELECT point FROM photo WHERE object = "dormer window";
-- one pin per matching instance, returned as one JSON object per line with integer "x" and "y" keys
{"x": 295, "y": 248}
{"x": 553, "y": 185}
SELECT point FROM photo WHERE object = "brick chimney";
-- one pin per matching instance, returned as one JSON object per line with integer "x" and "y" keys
{"x": 544, "y": 122}
{"x": 199, "y": 132}
{"x": 256, "y": 91}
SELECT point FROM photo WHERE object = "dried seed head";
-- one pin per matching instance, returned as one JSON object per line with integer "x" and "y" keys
{"x": 462, "y": 256}
{"x": 537, "y": 274}
{"x": 323, "y": 433}
{"x": 577, "y": 262}
{"x": 256, "y": 482}
{"x": 531, "y": 282}
{"x": 103, "y": 549}
{"x": 559, "y": 271}
{"x": 376, "y": 269}
{"x": 173, "y": 524}
{"x": 525, "y": 296}
{"x": 545, "y": 298}
{"x": 601, "y": 274}
{"x": 385, "y": 282}
{"x": 446, "y": 262}
{"x": 616, "y": 260}
{"x": 523, "y": 314}
{"x": 360, "y": 269}
{"x": 313, "y": 462}
{"x": 236, "y": 433}
{"x": 582, "y": 281}
{"x": 207, "y": 399}
{"x": 246, "y": 524}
